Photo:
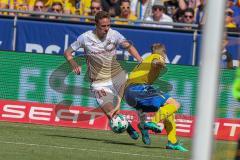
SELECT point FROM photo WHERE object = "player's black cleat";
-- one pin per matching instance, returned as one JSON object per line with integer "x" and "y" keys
{"x": 132, "y": 132}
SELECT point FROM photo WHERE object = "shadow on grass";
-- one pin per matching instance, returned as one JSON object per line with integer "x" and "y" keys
{"x": 153, "y": 147}
{"x": 93, "y": 139}
{"x": 109, "y": 141}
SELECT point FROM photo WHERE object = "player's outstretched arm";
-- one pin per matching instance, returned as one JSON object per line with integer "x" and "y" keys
{"x": 68, "y": 55}
{"x": 132, "y": 50}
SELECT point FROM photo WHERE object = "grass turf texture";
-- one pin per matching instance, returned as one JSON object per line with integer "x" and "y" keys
{"x": 37, "y": 142}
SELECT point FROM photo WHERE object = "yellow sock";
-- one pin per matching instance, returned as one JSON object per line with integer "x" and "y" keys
{"x": 170, "y": 126}
{"x": 164, "y": 112}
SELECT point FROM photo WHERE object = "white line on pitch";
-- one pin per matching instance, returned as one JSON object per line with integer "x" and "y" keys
{"x": 88, "y": 150}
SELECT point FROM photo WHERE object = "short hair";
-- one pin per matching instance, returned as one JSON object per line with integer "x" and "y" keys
{"x": 96, "y": 1}
{"x": 101, "y": 15}
{"x": 189, "y": 10}
{"x": 158, "y": 48}
{"x": 57, "y": 3}
{"x": 125, "y": 1}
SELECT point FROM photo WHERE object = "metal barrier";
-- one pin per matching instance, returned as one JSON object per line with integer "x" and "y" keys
{"x": 131, "y": 23}
{"x": 177, "y": 27}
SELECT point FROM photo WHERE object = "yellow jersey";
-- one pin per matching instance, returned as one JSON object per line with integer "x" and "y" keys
{"x": 144, "y": 72}
{"x": 131, "y": 17}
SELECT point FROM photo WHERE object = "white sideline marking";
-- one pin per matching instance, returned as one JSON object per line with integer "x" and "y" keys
{"x": 89, "y": 150}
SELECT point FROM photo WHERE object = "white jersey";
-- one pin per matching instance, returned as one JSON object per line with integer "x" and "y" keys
{"x": 164, "y": 18}
{"x": 100, "y": 54}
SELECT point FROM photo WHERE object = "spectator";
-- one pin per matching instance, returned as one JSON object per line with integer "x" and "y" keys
{"x": 235, "y": 7}
{"x": 56, "y": 8}
{"x": 200, "y": 17}
{"x": 178, "y": 16}
{"x": 192, "y": 4}
{"x": 3, "y": 5}
{"x": 125, "y": 12}
{"x": 112, "y": 7}
{"x": 22, "y": 6}
{"x": 226, "y": 57}
{"x": 141, "y": 8}
{"x": 96, "y": 6}
{"x": 229, "y": 20}
{"x": 171, "y": 8}
{"x": 39, "y": 7}
{"x": 69, "y": 9}
{"x": 158, "y": 15}
{"x": 188, "y": 17}
{"x": 83, "y": 6}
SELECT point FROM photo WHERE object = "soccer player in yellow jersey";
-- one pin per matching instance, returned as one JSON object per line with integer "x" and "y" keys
{"x": 140, "y": 94}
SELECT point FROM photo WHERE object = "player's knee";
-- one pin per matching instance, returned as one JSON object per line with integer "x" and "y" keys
{"x": 174, "y": 102}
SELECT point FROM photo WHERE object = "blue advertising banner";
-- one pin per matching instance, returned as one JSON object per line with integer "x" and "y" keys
{"x": 54, "y": 38}
{"x": 179, "y": 45}
{"x": 47, "y": 37}
{"x": 233, "y": 48}
{"x": 6, "y": 34}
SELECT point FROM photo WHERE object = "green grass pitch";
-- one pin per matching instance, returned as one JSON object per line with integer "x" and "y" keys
{"x": 38, "y": 142}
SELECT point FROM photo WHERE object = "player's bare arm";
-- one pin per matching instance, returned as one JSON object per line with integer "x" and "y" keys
{"x": 68, "y": 55}
{"x": 132, "y": 50}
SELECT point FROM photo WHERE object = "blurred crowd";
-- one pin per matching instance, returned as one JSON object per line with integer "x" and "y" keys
{"x": 179, "y": 11}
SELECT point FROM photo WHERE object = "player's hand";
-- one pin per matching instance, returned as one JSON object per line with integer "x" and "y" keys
{"x": 116, "y": 110}
{"x": 76, "y": 68}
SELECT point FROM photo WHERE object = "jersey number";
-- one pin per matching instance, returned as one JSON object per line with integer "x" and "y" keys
{"x": 101, "y": 93}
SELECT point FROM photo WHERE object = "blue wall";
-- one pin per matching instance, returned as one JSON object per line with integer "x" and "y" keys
{"x": 53, "y": 37}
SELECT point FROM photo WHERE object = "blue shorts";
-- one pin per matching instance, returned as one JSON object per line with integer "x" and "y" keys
{"x": 145, "y": 97}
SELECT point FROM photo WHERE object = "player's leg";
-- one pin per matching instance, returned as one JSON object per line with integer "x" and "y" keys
{"x": 119, "y": 82}
{"x": 141, "y": 126}
{"x": 170, "y": 126}
{"x": 105, "y": 93}
{"x": 166, "y": 114}
{"x": 139, "y": 97}
{"x": 104, "y": 97}
{"x": 170, "y": 107}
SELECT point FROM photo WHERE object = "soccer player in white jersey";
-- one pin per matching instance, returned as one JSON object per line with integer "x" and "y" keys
{"x": 105, "y": 73}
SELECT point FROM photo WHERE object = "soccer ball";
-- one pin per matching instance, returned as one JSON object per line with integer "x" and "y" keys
{"x": 119, "y": 123}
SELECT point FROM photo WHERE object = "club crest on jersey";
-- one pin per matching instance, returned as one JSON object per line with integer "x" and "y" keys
{"x": 110, "y": 46}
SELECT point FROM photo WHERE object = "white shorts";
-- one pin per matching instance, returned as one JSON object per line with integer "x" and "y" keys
{"x": 107, "y": 91}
